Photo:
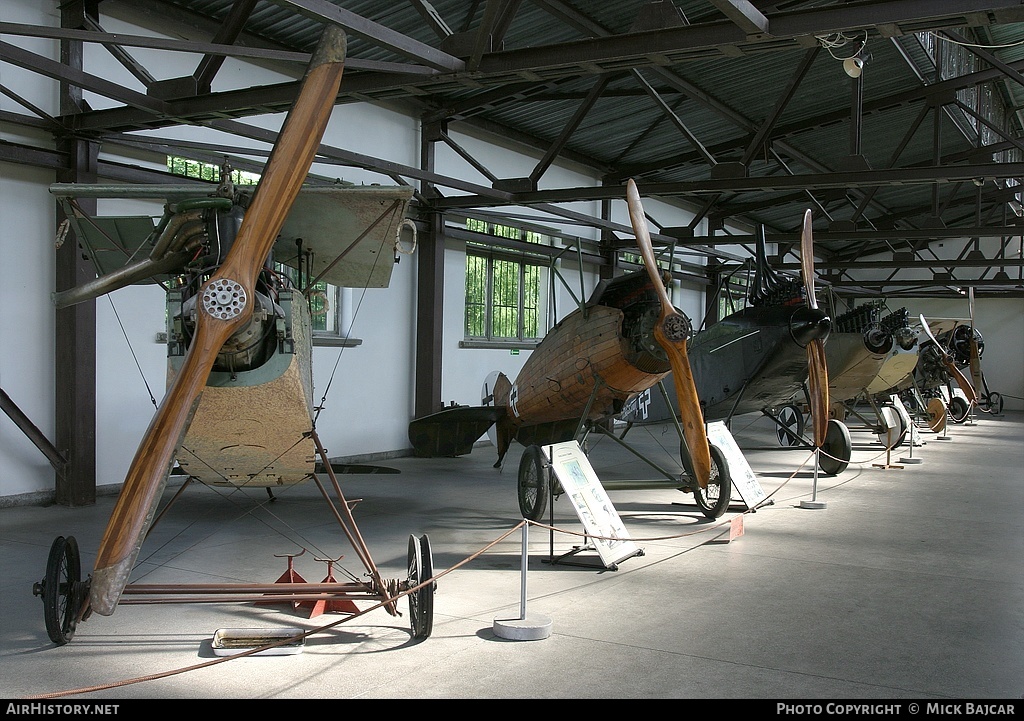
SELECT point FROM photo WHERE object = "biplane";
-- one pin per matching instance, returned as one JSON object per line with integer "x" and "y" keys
{"x": 238, "y": 410}
{"x": 941, "y": 387}
{"x": 758, "y": 358}
{"x": 967, "y": 348}
{"x": 863, "y": 350}
{"x": 623, "y": 339}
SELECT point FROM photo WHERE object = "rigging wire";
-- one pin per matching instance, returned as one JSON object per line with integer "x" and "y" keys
{"x": 348, "y": 334}
{"x": 152, "y": 399}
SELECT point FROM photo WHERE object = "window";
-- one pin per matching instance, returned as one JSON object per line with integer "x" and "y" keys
{"x": 503, "y": 287}
{"x": 323, "y": 301}
{"x": 207, "y": 171}
{"x": 733, "y": 297}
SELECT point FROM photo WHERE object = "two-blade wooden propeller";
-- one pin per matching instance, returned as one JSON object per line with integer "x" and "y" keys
{"x": 975, "y": 351}
{"x": 950, "y": 364}
{"x": 225, "y": 305}
{"x": 817, "y": 367}
{"x": 671, "y": 332}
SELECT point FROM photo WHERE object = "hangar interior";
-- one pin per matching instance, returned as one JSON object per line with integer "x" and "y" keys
{"x": 505, "y": 132}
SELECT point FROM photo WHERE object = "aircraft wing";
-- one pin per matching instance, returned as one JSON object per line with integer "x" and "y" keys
{"x": 350, "y": 231}
{"x": 112, "y": 242}
{"x": 941, "y": 326}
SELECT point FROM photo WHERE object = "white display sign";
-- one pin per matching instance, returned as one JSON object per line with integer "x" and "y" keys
{"x": 594, "y": 508}
{"x": 744, "y": 481}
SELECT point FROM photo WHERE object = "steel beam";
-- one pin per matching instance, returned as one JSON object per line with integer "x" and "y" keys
{"x": 375, "y": 33}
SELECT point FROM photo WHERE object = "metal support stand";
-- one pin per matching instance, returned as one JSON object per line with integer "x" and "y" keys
{"x": 888, "y": 452}
{"x": 911, "y": 441}
{"x": 526, "y": 627}
{"x": 814, "y": 502}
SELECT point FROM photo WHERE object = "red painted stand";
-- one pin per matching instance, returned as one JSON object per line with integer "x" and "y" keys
{"x": 334, "y": 605}
{"x": 289, "y": 576}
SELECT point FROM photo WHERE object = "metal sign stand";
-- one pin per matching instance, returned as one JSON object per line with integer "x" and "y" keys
{"x": 814, "y": 502}
{"x": 527, "y": 627}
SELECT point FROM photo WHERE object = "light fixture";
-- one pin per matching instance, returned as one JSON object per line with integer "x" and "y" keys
{"x": 853, "y": 62}
{"x": 853, "y": 66}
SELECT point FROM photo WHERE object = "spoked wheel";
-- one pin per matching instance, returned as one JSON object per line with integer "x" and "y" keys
{"x": 959, "y": 408}
{"x": 790, "y": 432}
{"x": 534, "y": 483}
{"x": 837, "y": 449}
{"x": 421, "y": 602}
{"x": 61, "y": 589}
{"x": 713, "y": 501}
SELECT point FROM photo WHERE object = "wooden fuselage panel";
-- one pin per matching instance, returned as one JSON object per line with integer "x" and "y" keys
{"x": 250, "y": 427}
{"x": 581, "y": 352}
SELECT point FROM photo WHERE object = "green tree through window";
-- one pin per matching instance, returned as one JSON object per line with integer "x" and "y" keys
{"x": 502, "y": 287}
{"x": 207, "y": 171}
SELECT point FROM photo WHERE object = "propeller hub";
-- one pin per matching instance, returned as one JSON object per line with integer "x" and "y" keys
{"x": 808, "y": 324}
{"x": 677, "y": 327}
{"x": 224, "y": 299}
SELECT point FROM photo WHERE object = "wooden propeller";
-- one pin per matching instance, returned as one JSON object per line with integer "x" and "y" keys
{"x": 226, "y": 303}
{"x": 975, "y": 355}
{"x": 671, "y": 333}
{"x": 950, "y": 364}
{"x": 817, "y": 367}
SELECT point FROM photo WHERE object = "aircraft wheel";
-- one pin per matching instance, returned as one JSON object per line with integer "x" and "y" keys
{"x": 836, "y": 450}
{"x": 993, "y": 403}
{"x": 421, "y": 602}
{"x": 790, "y": 433}
{"x": 534, "y": 484}
{"x": 905, "y": 423}
{"x": 890, "y": 418}
{"x": 959, "y": 408}
{"x": 936, "y": 410}
{"x": 61, "y": 589}
{"x": 714, "y": 500}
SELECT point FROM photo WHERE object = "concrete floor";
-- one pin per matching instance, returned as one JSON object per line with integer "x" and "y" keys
{"x": 906, "y": 585}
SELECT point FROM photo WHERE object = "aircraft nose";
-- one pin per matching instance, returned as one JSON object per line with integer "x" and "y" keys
{"x": 807, "y": 324}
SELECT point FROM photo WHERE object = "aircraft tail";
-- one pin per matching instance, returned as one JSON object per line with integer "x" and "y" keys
{"x": 453, "y": 431}
{"x": 505, "y": 430}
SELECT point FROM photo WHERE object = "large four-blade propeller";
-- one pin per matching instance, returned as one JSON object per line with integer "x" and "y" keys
{"x": 226, "y": 303}
{"x": 671, "y": 332}
{"x": 817, "y": 367}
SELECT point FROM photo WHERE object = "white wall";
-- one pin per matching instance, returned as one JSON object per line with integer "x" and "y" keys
{"x": 1001, "y": 322}
{"x": 26, "y": 323}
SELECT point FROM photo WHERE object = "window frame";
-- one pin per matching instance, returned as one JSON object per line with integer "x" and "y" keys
{"x": 491, "y": 255}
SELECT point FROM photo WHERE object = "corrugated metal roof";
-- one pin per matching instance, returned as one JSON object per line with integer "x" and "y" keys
{"x": 716, "y": 82}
